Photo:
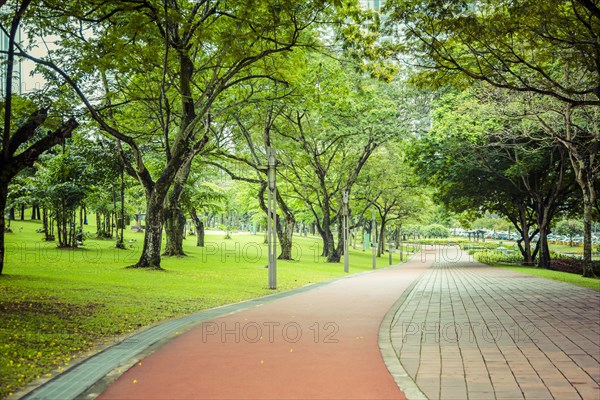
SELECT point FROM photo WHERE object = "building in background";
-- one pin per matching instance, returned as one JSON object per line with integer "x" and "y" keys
{"x": 375, "y": 5}
{"x": 18, "y": 68}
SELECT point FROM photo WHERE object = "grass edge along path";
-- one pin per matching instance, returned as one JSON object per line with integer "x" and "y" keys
{"x": 57, "y": 305}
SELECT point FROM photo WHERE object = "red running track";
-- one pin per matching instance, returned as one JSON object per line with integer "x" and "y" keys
{"x": 318, "y": 344}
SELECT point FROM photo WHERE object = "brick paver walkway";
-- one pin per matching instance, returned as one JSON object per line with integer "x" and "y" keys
{"x": 468, "y": 331}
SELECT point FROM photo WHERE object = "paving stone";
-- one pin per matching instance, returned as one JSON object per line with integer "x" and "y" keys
{"x": 505, "y": 335}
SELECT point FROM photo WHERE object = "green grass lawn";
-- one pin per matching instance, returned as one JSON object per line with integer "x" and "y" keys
{"x": 56, "y": 304}
{"x": 565, "y": 248}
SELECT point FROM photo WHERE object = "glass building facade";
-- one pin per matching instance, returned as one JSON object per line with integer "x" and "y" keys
{"x": 17, "y": 70}
{"x": 375, "y": 5}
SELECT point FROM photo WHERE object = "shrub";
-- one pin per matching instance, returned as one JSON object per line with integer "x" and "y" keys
{"x": 436, "y": 231}
{"x": 494, "y": 256}
{"x": 453, "y": 241}
{"x": 572, "y": 265}
{"x": 475, "y": 246}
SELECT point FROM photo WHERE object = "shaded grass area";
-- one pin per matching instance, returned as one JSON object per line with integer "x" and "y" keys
{"x": 593, "y": 283}
{"x": 56, "y": 304}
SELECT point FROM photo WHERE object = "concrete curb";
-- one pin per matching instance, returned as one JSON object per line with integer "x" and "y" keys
{"x": 390, "y": 358}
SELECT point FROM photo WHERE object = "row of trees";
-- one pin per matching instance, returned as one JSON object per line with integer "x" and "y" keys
{"x": 179, "y": 88}
{"x": 523, "y": 137}
{"x": 166, "y": 91}
{"x": 68, "y": 182}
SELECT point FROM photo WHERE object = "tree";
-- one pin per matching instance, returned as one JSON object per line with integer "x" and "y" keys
{"x": 549, "y": 48}
{"x": 246, "y": 144}
{"x": 476, "y": 166}
{"x": 22, "y": 143}
{"x": 326, "y": 146}
{"x": 107, "y": 184}
{"x": 170, "y": 60}
{"x": 205, "y": 197}
{"x": 570, "y": 228}
{"x": 65, "y": 183}
{"x": 389, "y": 186}
{"x": 578, "y": 130}
{"x": 436, "y": 231}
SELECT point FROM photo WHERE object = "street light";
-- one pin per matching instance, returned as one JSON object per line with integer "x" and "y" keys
{"x": 272, "y": 218}
{"x": 374, "y": 240}
{"x": 400, "y": 244}
{"x": 346, "y": 228}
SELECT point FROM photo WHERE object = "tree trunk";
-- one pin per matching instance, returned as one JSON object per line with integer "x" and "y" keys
{"x": 588, "y": 203}
{"x": 150, "y": 257}
{"x": 543, "y": 217}
{"x": 72, "y": 228}
{"x": 285, "y": 232}
{"x": 585, "y": 165}
{"x": 45, "y": 222}
{"x": 323, "y": 238}
{"x": 524, "y": 243}
{"x": 60, "y": 231}
{"x": 381, "y": 246}
{"x": 340, "y": 243}
{"x": 331, "y": 251}
{"x": 285, "y": 241}
{"x": 544, "y": 251}
{"x": 174, "y": 229}
{"x": 113, "y": 215}
{"x": 200, "y": 234}
{"x": 108, "y": 224}
{"x": 324, "y": 229}
{"x": 285, "y": 229}
{"x": 3, "y": 198}
{"x": 174, "y": 216}
{"x": 99, "y": 228}
{"x": 199, "y": 224}
{"x": 120, "y": 244}
{"x": 525, "y": 248}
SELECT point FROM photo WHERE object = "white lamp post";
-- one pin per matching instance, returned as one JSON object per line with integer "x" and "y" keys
{"x": 374, "y": 240}
{"x": 272, "y": 219}
{"x": 346, "y": 228}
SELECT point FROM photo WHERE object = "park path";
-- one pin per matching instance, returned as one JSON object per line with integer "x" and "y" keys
{"x": 319, "y": 344}
{"x": 441, "y": 326}
{"x": 469, "y": 331}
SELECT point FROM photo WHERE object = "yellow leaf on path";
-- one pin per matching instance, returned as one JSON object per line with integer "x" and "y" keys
{"x": 134, "y": 381}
